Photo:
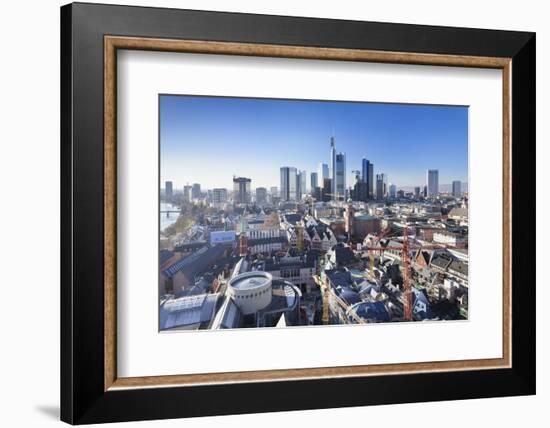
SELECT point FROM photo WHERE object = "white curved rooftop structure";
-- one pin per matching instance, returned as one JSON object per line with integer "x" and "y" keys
{"x": 251, "y": 280}
{"x": 251, "y": 291}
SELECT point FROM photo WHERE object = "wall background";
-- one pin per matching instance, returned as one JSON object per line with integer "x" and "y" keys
{"x": 29, "y": 214}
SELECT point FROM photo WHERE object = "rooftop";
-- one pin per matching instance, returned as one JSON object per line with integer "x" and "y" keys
{"x": 165, "y": 255}
{"x": 365, "y": 217}
{"x": 339, "y": 277}
{"x": 292, "y": 218}
{"x": 184, "y": 246}
{"x": 441, "y": 260}
{"x": 458, "y": 212}
{"x": 371, "y": 311}
{"x": 197, "y": 262}
{"x": 250, "y": 280}
{"x": 285, "y": 296}
{"x": 322, "y": 230}
{"x": 284, "y": 262}
{"x": 459, "y": 267}
{"x": 187, "y": 311}
{"x": 349, "y": 295}
{"x": 342, "y": 254}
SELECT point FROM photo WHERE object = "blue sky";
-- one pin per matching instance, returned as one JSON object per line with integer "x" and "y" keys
{"x": 207, "y": 140}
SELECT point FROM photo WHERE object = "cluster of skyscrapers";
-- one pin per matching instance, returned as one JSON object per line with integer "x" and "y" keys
{"x": 325, "y": 184}
{"x": 328, "y": 183}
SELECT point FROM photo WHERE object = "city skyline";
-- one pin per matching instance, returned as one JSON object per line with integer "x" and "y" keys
{"x": 254, "y": 138}
{"x": 443, "y": 187}
{"x": 310, "y": 252}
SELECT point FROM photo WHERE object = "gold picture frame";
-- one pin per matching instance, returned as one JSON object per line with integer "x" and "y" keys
{"x": 114, "y": 43}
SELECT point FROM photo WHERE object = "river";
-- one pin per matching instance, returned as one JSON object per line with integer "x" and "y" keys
{"x": 170, "y": 218}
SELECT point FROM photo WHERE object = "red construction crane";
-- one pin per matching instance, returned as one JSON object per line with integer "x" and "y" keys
{"x": 405, "y": 259}
{"x": 407, "y": 302}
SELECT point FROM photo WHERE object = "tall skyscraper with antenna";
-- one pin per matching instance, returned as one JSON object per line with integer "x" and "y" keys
{"x": 338, "y": 172}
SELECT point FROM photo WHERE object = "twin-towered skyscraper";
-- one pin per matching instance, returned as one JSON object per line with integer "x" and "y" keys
{"x": 367, "y": 176}
{"x": 293, "y": 183}
{"x": 338, "y": 175}
{"x": 289, "y": 183}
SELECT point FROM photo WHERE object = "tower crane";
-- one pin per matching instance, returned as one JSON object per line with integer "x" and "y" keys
{"x": 329, "y": 296}
{"x": 406, "y": 264}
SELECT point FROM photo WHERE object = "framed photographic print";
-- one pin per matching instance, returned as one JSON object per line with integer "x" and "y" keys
{"x": 274, "y": 213}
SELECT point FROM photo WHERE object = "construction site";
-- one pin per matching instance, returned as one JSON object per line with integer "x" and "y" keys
{"x": 391, "y": 280}
{"x": 328, "y": 264}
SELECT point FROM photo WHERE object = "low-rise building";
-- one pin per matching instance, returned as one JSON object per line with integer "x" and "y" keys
{"x": 320, "y": 237}
{"x": 458, "y": 213}
{"x": 340, "y": 286}
{"x": 183, "y": 274}
{"x": 459, "y": 270}
{"x": 370, "y": 312}
{"x": 336, "y": 224}
{"x": 449, "y": 238}
{"x": 426, "y": 233}
{"x": 267, "y": 245}
{"x": 296, "y": 270}
{"x": 339, "y": 256}
{"x": 223, "y": 237}
{"x": 188, "y": 313}
{"x": 440, "y": 261}
{"x": 364, "y": 224}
